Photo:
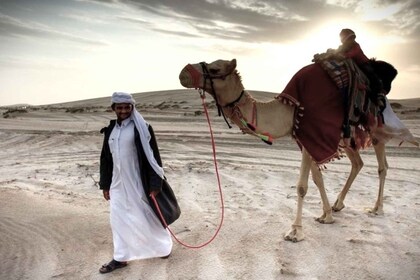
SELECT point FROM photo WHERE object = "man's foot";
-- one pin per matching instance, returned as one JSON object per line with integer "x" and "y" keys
{"x": 111, "y": 266}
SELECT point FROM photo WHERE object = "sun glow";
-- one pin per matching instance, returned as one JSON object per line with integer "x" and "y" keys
{"x": 327, "y": 36}
{"x": 283, "y": 60}
{"x": 323, "y": 38}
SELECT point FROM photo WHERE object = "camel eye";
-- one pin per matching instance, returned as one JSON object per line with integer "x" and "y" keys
{"x": 214, "y": 71}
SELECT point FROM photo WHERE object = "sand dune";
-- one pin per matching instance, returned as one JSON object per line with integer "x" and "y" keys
{"x": 54, "y": 221}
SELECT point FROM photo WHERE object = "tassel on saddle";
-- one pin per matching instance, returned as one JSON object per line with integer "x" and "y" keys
{"x": 265, "y": 136}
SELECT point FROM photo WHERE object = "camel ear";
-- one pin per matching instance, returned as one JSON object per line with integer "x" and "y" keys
{"x": 232, "y": 66}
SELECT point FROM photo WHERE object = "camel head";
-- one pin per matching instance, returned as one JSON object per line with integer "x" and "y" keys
{"x": 219, "y": 78}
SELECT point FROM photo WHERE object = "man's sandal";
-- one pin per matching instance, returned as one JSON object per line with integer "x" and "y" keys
{"x": 111, "y": 266}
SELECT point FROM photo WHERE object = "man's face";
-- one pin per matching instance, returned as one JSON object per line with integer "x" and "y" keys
{"x": 123, "y": 110}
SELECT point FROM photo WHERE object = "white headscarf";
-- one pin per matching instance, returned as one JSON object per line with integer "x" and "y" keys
{"x": 142, "y": 127}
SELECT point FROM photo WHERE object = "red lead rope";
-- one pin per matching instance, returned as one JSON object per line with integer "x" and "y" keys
{"x": 202, "y": 94}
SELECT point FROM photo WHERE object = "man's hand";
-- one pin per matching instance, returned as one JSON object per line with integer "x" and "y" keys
{"x": 106, "y": 195}
{"x": 381, "y": 102}
{"x": 154, "y": 193}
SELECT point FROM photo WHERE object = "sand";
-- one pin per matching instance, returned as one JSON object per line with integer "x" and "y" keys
{"x": 54, "y": 222}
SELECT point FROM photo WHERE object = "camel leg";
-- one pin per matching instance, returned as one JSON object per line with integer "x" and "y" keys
{"x": 382, "y": 170}
{"x": 295, "y": 234}
{"x": 326, "y": 217}
{"x": 356, "y": 166}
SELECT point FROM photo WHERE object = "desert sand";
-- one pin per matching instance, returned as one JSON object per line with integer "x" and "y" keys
{"x": 54, "y": 222}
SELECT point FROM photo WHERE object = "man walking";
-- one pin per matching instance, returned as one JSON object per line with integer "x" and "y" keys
{"x": 130, "y": 170}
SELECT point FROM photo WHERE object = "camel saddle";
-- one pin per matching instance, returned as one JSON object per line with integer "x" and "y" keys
{"x": 352, "y": 83}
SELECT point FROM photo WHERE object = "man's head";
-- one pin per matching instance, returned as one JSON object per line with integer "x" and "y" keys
{"x": 347, "y": 34}
{"x": 122, "y": 104}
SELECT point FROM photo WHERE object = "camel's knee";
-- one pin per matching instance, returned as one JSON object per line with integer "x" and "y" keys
{"x": 382, "y": 171}
{"x": 301, "y": 190}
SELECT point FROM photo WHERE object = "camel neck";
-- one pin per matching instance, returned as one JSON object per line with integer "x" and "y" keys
{"x": 236, "y": 101}
{"x": 271, "y": 118}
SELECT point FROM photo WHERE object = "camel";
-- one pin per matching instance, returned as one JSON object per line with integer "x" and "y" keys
{"x": 280, "y": 117}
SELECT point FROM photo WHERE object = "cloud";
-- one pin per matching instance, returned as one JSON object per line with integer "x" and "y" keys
{"x": 268, "y": 20}
{"x": 176, "y": 33}
{"x": 407, "y": 20}
{"x": 255, "y": 21}
{"x": 258, "y": 21}
{"x": 14, "y": 27}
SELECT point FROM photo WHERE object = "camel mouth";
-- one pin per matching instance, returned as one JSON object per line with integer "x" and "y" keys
{"x": 190, "y": 77}
{"x": 184, "y": 78}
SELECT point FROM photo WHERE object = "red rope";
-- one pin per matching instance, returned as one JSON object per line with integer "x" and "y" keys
{"x": 220, "y": 191}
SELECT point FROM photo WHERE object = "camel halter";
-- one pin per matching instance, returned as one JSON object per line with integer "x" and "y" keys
{"x": 245, "y": 126}
{"x": 210, "y": 77}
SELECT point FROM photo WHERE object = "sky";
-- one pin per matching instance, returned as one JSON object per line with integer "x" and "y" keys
{"x": 54, "y": 51}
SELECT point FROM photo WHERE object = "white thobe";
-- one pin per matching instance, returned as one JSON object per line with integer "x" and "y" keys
{"x": 136, "y": 230}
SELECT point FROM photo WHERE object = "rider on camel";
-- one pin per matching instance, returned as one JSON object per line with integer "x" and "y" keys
{"x": 351, "y": 49}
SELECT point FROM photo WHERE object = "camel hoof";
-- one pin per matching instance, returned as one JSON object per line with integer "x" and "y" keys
{"x": 294, "y": 235}
{"x": 374, "y": 211}
{"x": 325, "y": 220}
{"x": 338, "y": 206}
